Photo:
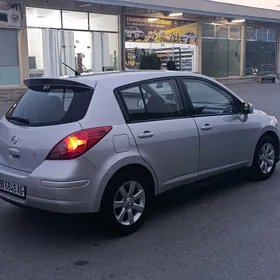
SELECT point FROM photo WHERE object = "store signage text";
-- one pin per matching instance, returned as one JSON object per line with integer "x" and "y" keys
{"x": 157, "y": 30}
{"x": 10, "y": 14}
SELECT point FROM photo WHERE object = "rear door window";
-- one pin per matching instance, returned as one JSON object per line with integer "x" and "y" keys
{"x": 134, "y": 103}
{"x": 153, "y": 100}
{"x": 50, "y": 105}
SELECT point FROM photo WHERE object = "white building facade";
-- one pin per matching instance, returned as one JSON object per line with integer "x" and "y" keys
{"x": 217, "y": 39}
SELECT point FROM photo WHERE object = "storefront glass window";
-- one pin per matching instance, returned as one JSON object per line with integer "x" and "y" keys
{"x": 260, "y": 52}
{"x": 45, "y": 18}
{"x": 262, "y": 34}
{"x": 9, "y": 61}
{"x": 103, "y": 22}
{"x": 72, "y": 43}
{"x": 221, "y": 55}
{"x": 222, "y": 31}
{"x": 208, "y": 30}
{"x": 251, "y": 34}
{"x": 110, "y": 51}
{"x": 235, "y": 32}
{"x": 272, "y": 35}
{"x": 35, "y": 52}
{"x": 167, "y": 38}
{"x": 75, "y": 20}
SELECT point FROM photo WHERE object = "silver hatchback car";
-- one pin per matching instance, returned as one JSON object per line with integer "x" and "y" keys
{"x": 111, "y": 142}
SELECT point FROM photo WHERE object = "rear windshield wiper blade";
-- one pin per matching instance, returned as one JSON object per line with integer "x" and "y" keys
{"x": 18, "y": 119}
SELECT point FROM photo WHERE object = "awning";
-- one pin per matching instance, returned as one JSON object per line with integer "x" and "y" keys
{"x": 198, "y": 7}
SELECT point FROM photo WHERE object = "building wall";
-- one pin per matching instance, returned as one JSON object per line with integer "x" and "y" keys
{"x": 10, "y": 47}
{"x": 208, "y": 7}
{"x": 198, "y": 6}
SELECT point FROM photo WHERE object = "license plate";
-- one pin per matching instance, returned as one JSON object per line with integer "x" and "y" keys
{"x": 13, "y": 189}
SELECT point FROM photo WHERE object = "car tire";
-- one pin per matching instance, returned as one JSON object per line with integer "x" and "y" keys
{"x": 265, "y": 158}
{"x": 133, "y": 37}
{"x": 123, "y": 208}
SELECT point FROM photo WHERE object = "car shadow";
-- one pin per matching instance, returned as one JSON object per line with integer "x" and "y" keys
{"x": 188, "y": 195}
{"x": 86, "y": 229}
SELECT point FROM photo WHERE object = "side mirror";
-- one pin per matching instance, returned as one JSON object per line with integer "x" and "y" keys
{"x": 246, "y": 108}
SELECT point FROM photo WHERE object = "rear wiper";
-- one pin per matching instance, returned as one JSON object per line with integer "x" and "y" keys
{"x": 18, "y": 119}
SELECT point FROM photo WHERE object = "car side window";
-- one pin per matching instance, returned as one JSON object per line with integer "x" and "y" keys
{"x": 208, "y": 99}
{"x": 162, "y": 99}
{"x": 153, "y": 100}
{"x": 134, "y": 103}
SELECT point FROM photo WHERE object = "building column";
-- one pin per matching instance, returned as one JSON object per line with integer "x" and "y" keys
{"x": 242, "y": 50}
{"x": 122, "y": 38}
{"x": 278, "y": 53}
{"x": 199, "y": 48}
{"x": 23, "y": 49}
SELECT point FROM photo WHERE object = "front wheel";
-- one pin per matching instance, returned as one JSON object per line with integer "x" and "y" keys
{"x": 125, "y": 203}
{"x": 265, "y": 158}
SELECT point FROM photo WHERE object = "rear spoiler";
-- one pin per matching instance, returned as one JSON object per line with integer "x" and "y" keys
{"x": 55, "y": 82}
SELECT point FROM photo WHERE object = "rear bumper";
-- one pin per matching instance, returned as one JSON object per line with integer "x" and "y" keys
{"x": 57, "y": 206}
{"x": 66, "y": 199}
{"x": 52, "y": 189}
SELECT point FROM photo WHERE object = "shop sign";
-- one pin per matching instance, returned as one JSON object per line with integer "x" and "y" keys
{"x": 158, "y": 30}
{"x": 10, "y": 14}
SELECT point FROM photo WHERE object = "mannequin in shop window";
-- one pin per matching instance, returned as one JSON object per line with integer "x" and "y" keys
{"x": 171, "y": 65}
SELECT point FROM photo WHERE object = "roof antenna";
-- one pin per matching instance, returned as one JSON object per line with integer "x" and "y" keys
{"x": 75, "y": 71}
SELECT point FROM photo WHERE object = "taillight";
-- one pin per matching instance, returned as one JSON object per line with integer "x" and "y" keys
{"x": 78, "y": 143}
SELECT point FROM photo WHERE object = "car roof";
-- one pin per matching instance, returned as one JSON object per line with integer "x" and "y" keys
{"x": 117, "y": 79}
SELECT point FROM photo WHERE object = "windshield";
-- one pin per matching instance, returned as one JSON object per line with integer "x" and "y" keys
{"x": 50, "y": 105}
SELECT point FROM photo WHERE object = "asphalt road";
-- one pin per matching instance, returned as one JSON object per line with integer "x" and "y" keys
{"x": 227, "y": 230}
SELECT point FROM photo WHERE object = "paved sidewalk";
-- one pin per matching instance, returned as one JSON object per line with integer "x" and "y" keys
{"x": 8, "y": 96}
{"x": 4, "y": 107}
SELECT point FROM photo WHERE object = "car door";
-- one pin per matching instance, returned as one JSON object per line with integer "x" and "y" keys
{"x": 225, "y": 135}
{"x": 166, "y": 137}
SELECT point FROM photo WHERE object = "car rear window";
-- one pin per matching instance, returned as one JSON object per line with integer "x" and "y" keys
{"x": 50, "y": 105}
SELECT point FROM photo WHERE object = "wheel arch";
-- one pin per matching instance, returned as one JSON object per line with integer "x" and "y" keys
{"x": 141, "y": 169}
{"x": 131, "y": 167}
{"x": 272, "y": 135}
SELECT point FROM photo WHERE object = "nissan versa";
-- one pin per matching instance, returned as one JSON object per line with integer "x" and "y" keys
{"x": 111, "y": 142}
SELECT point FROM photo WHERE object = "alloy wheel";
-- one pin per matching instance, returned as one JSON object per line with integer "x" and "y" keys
{"x": 129, "y": 203}
{"x": 267, "y": 158}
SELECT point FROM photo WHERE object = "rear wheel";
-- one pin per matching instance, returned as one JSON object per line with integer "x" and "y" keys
{"x": 265, "y": 158}
{"x": 125, "y": 203}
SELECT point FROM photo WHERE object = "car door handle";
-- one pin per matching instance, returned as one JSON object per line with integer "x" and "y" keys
{"x": 207, "y": 127}
{"x": 146, "y": 134}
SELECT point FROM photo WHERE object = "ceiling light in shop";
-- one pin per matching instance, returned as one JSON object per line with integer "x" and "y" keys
{"x": 152, "y": 19}
{"x": 238, "y": 20}
{"x": 84, "y": 5}
{"x": 175, "y": 14}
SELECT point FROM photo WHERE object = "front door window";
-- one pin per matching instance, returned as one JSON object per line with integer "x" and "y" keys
{"x": 208, "y": 99}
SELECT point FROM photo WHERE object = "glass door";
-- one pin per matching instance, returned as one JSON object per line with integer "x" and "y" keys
{"x": 83, "y": 51}
{"x": 234, "y": 58}
{"x": 220, "y": 58}
{"x": 110, "y": 51}
{"x": 76, "y": 49}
